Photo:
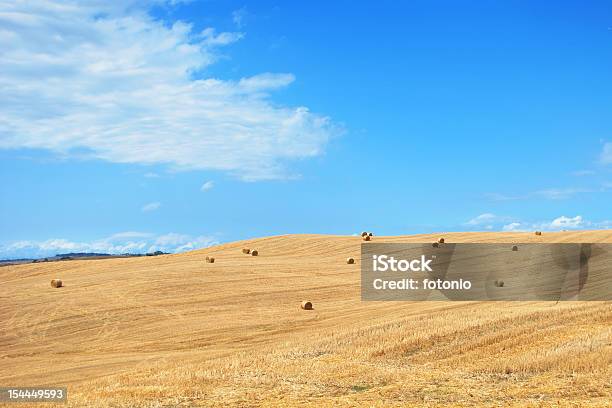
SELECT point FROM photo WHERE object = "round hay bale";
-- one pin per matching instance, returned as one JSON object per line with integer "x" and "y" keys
{"x": 367, "y": 238}
{"x": 441, "y": 240}
{"x": 538, "y": 232}
{"x": 56, "y": 283}
{"x": 363, "y": 234}
{"x": 499, "y": 283}
{"x": 350, "y": 261}
{"x": 370, "y": 234}
{"x": 306, "y": 305}
{"x": 435, "y": 245}
{"x": 210, "y": 259}
{"x": 207, "y": 258}
{"x": 246, "y": 251}
{"x": 254, "y": 252}
{"x": 515, "y": 248}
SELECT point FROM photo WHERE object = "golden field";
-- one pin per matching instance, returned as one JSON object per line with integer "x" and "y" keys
{"x": 174, "y": 330}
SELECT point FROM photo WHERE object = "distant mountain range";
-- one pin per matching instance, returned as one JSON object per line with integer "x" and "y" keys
{"x": 75, "y": 255}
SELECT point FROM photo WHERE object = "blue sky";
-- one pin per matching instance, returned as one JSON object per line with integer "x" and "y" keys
{"x": 150, "y": 125}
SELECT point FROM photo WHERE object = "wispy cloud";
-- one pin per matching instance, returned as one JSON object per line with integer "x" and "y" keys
{"x": 209, "y": 38}
{"x": 567, "y": 222}
{"x": 582, "y": 173}
{"x": 504, "y": 223}
{"x": 108, "y": 81}
{"x": 151, "y": 207}
{"x": 560, "y": 193}
{"x": 563, "y": 193}
{"x": 548, "y": 194}
{"x": 151, "y": 175}
{"x": 513, "y": 226}
{"x": 207, "y": 186}
{"x": 482, "y": 218}
{"x": 239, "y": 17}
{"x": 558, "y": 224}
{"x": 486, "y": 221}
{"x": 120, "y": 243}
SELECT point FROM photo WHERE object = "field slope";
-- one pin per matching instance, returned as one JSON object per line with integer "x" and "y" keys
{"x": 174, "y": 330}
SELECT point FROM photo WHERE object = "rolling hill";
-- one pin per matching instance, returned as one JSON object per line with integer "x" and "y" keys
{"x": 173, "y": 330}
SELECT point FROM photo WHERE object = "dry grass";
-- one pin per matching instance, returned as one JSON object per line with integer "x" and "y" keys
{"x": 160, "y": 332}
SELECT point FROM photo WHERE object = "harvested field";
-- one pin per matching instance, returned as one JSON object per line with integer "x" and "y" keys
{"x": 164, "y": 331}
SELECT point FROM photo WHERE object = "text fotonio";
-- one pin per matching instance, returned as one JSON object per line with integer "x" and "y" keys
{"x": 387, "y": 263}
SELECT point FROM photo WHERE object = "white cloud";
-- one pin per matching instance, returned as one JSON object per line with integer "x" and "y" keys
{"x": 557, "y": 224}
{"x": 151, "y": 175}
{"x": 561, "y": 193}
{"x": 264, "y": 82}
{"x": 513, "y": 226}
{"x": 606, "y": 154}
{"x": 564, "y": 222}
{"x": 487, "y": 221}
{"x": 207, "y": 186}
{"x": 503, "y": 223}
{"x": 125, "y": 242}
{"x": 210, "y": 38}
{"x": 604, "y": 224}
{"x": 151, "y": 206}
{"x": 180, "y": 243}
{"x": 108, "y": 81}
